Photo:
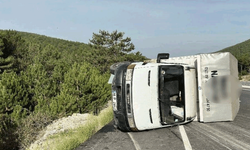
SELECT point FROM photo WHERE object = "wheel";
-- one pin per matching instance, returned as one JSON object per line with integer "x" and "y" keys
{"x": 113, "y": 67}
{"x": 116, "y": 65}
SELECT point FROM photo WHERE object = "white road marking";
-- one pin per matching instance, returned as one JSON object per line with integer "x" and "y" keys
{"x": 137, "y": 146}
{"x": 245, "y": 89}
{"x": 185, "y": 140}
{"x": 245, "y": 86}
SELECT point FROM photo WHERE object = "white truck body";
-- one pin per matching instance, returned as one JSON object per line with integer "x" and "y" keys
{"x": 166, "y": 92}
{"x": 223, "y": 66}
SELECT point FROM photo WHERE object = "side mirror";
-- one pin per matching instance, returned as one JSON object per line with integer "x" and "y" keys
{"x": 162, "y": 56}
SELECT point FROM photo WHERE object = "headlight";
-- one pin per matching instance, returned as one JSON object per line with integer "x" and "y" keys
{"x": 128, "y": 99}
{"x": 129, "y": 74}
{"x": 131, "y": 123}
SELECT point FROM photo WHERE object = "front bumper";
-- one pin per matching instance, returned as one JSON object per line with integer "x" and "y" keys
{"x": 118, "y": 97}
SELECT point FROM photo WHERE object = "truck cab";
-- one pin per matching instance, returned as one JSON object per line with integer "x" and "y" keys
{"x": 152, "y": 95}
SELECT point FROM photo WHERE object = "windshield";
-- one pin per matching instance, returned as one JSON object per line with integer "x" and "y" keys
{"x": 171, "y": 94}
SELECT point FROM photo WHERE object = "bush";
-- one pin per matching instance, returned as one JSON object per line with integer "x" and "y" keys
{"x": 83, "y": 89}
{"x": 8, "y": 136}
{"x": 28, "y": 130}
{"x": 244, "y": 72}
{"x": 12, "y": 93}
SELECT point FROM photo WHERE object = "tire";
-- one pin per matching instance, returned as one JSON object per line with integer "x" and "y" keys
{"x": 115, "y": 66}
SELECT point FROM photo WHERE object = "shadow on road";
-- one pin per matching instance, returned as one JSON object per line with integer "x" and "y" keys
{"x": 108, "y": 128}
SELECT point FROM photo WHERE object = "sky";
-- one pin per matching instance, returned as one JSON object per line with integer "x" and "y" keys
{"x": 178, "y": 27}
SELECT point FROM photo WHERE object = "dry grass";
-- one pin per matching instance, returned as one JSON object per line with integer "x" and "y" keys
{"x": 29, "y": 128}
{"x": 73, "y": 138}
{"x": 245, "y": 78}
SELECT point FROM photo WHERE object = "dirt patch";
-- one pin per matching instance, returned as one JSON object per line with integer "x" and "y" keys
{"x": 245, "y": 78}
{"x": 63, "y": 124}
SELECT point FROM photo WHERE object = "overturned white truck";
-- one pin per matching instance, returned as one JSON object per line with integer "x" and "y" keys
{"x": 171, "y": 91}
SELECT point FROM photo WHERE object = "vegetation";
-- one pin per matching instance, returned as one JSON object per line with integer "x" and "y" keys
{"x": 113, "y": 42}
{"x": 29, "y": 127}
{"x": 71, "y": 139}
{"x": 245, "y": 77}
{"x": 44, "y": 76}
{"x": 242, "y": 52}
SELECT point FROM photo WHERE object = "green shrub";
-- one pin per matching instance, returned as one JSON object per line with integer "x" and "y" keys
{"x": 8, "y": 136}
{"x": 240, "y": 77}
{"x": 83, "y": 89}
{"x": 30, "y": 126}
{"x": 244, "y": 72}
{"x": 12, "y": 93}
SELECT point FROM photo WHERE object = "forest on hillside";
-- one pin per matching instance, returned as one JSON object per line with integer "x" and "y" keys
{"x": 44, "y": 78}
{"x": 242, "y": 52}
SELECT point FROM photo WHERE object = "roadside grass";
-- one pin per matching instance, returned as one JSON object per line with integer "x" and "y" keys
{"x": 245, "y": 78}
{"x": 248, "y": 78}
{"x": 72, "y": 138}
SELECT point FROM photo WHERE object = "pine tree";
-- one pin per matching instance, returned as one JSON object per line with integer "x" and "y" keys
{"x": 113, "y": 42}
{"x": 12, "y": 93}
{"x": 83, "y": 89}
{"x": 6, "y": 58}
{"x": 12, "y": 49}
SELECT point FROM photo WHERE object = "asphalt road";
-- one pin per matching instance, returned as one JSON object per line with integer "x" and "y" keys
{"x": 197, "y": 136}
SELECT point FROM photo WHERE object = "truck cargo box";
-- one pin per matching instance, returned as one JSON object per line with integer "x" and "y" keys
{"x": 218, "y": 87}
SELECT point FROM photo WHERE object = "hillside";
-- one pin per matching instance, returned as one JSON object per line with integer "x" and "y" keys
{"x": 75, "y": 51}
{"x": 238, "y": 49}
{"x": 242, "y": 52}
{"x": 44, "y": 78}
